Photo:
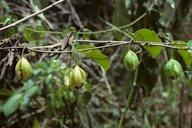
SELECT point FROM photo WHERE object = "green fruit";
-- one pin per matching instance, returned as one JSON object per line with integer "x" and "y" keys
{"x": 131, "y": 61}
{"x": 23, "y": 69}
{"x": 66, "y": 78}
{"x": 173, "y": 69}
{"x": 77, "y": 77}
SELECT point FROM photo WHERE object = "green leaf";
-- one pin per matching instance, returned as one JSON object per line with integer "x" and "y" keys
{"x": 12, "y": 104}
{"x": 30, "y": 90}
{"x": 56, "y": 97}
{"x": 40, "y": 68}
{"x": 88, "y": 87}
{"x": 184, "y": 53}
{"x": 190, "y": 73}
{"x": 31, "y": 33}
{"x": 66, "y": 30}
{"x": 5, "y": 20}
{"x": 189, "y": 45}
{"x": 147, "y": 74}
{"x": 86, "y": 36}
{"x": 36, "y": 123}
{"x": 149, "y": 36}
{"x": 95, "y": 55}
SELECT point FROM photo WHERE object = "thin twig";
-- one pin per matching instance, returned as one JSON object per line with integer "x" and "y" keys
{"x": 117, "y": 29}
{"x": 106, "y": 81}
{"x": 28, "y": 115}
{"x": 30, "y": 16}
{"x": 75, "y": 14}
{"x": 111, "y": 29}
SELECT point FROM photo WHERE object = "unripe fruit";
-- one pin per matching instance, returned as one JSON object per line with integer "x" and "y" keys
{"x": 77, "y": 77}
{"x": 173, "y": 69}
{"x": 23, "y": 69}
{"x": 131, "y": 61}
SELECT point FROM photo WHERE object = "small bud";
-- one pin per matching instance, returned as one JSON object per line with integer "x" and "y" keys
{"x": 173, "y": 69}
{"x": 77, "y": 77}
{"x": 131, "y": 61}
{"x": 23, "y": 69}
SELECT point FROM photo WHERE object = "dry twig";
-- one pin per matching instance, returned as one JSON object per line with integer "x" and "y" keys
{"x": 30, "y": 16}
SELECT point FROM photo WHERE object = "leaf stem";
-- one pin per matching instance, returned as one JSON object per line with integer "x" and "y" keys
{"x": 22, "y": 54}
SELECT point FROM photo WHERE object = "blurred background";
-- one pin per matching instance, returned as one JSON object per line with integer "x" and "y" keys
{"x": 46, "y": 101}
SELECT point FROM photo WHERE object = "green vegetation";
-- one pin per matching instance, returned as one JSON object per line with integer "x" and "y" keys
{"x": 95, "y": 64}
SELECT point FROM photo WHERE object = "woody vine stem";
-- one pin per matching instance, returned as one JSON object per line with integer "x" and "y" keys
{"x": 108, "y": 45}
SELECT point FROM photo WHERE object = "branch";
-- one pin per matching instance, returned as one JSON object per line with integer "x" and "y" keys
{"x": 108, "y": 45}
{"x": 121, "y": 27}
{"x": 111, "y": 44}
{"x": 30, "y": 16}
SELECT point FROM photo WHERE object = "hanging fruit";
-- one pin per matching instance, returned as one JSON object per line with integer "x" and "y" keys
{"x": 173, "y": 69}
{"x": 77, "y": 77}
{"x": 23, "y": 69}
{"x": 131, "y": 61}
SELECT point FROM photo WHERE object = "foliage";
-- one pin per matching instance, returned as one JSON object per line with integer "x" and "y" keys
{"x": 96, "y": 55}
{"x": 151, "y": 36}
{"x": 84, "y": 80}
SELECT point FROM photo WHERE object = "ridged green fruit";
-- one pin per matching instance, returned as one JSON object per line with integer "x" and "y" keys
{"x": 77, "y": 77}
{"x": 23, "y": 69}
{"x": 173, "y": 69}
{"x": 131, "y": 61}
